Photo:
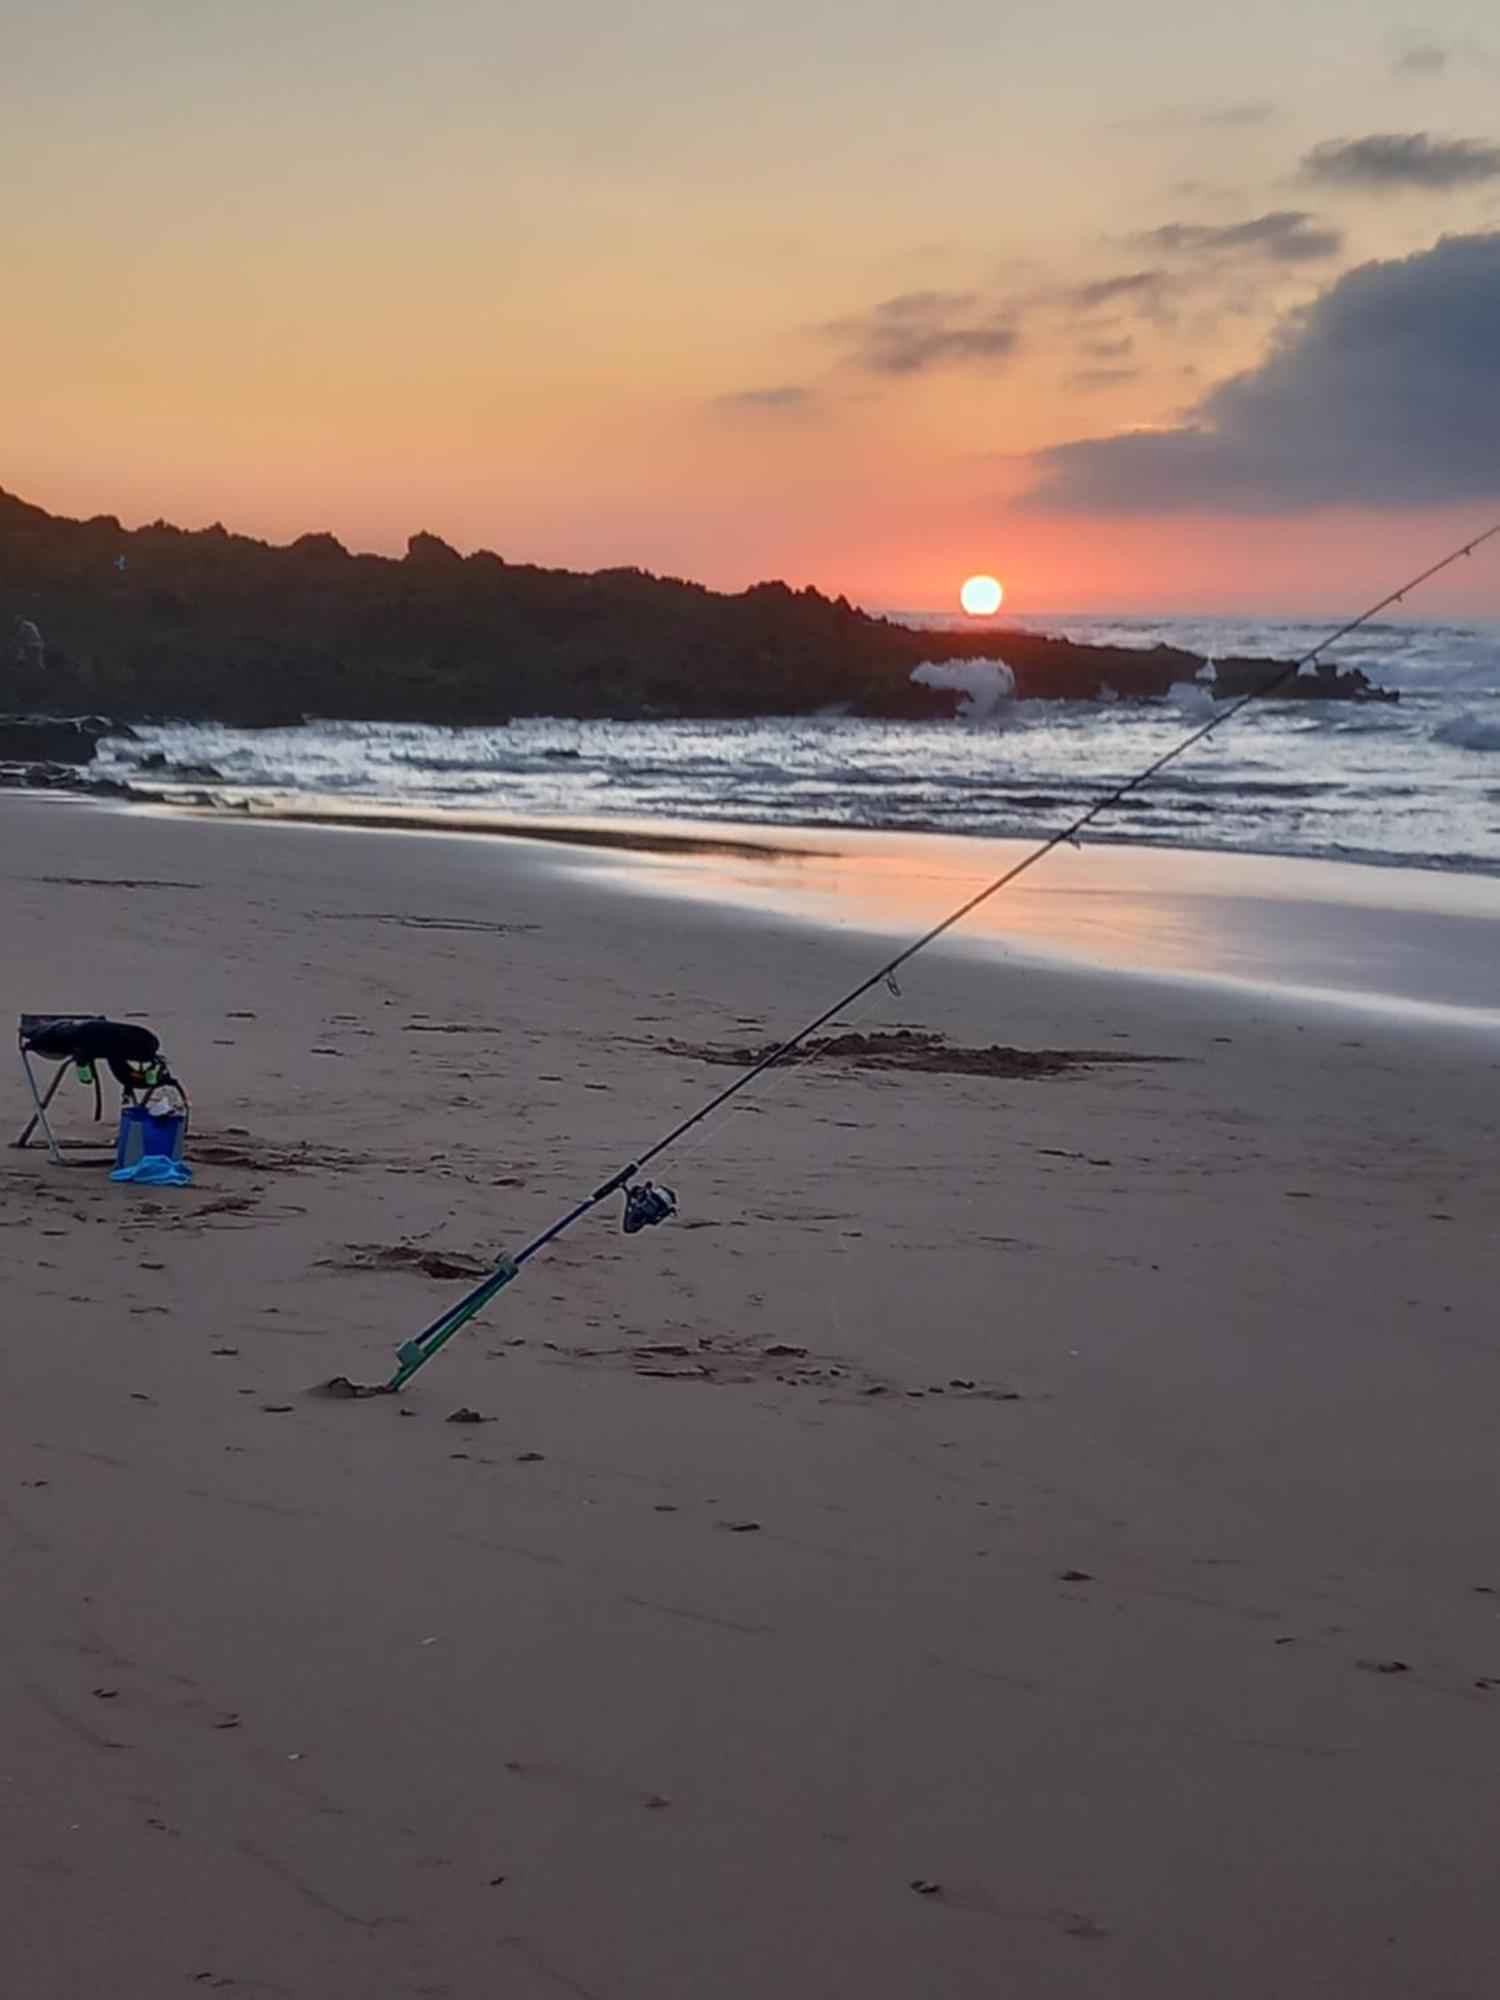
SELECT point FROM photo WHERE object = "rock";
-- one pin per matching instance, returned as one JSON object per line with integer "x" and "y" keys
{"x": 211, "y": 624}
{"x": 431, "y": 551}
{"x": 37, "y": 777}
{"x": 51, "y": 739}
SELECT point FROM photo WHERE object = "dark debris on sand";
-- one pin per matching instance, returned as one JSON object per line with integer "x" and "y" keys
{"x": 917, "y": 1049}
{"x": 408, "y": 1257}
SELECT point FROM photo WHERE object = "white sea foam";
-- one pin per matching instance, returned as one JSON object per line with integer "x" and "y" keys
{"x": 986, "y": 685}
{"x": 1192, "y": 698}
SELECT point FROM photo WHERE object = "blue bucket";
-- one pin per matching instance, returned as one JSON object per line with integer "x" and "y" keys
{"x": 141, "y": 1134}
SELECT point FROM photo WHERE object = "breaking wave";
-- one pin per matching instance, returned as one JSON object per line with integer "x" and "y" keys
{"x": 986, "y": 686}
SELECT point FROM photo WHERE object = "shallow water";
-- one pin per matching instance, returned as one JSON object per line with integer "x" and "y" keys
{"x": 1396, "y": 940}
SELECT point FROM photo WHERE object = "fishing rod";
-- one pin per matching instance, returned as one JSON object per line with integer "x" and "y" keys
{"x": 646, "y": 1204}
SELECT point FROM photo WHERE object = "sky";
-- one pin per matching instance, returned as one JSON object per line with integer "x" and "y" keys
{"x": 1168, "y": 307}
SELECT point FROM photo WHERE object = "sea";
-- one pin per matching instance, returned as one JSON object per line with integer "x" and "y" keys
{"x": 1414, "y": 783}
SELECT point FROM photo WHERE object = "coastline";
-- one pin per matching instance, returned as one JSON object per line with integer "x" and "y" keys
{"x": 1039, "y": 1523}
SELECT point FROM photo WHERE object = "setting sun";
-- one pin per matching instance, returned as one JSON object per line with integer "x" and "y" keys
{"x": 981, "y": 596}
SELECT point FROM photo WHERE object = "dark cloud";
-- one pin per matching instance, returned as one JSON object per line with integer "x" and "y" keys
{"x": 1386, "y": 161}
{"x": 790, "y": 397}
{"x": 1384, "y": 393}
{"x": 1108, "y": 350}
{"x": 921, "y": 331}
{"x": 1284, "y": 236}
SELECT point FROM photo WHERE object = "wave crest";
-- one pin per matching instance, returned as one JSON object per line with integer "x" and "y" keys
{"x": 987, "y": 686}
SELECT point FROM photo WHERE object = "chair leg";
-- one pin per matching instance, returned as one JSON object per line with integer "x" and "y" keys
{"x": 39, "y": 1116}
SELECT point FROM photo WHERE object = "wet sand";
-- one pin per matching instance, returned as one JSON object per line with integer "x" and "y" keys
{"x": 1395, "y": 939}
{"x": 1013, "y": 1534}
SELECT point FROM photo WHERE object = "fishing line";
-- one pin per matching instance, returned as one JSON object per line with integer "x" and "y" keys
{"x": 786, "y": 1071}
{"x": 646, "y": 1204}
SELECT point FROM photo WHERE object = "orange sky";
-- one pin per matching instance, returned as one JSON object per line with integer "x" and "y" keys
{"x": 613, "y": 287}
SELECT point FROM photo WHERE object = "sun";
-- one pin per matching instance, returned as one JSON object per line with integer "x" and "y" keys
{"x": 981, "y": 596}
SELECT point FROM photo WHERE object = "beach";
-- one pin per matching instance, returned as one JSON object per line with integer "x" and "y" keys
{"x": 1010, "y": 1535}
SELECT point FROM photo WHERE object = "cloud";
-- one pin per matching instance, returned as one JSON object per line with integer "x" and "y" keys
{"x": 1129, "y": 286}
{"x": 1422, "y": 58}
{"x": 1102, "y": 378}
{"x": 1108, "y": 350}
{"x": 1385, "y": 161}
{"x": 1199, "y": 117}
{"x": 1424, "y": 55}
{"x": 1236, "y": 114}
{"x": 790, "y": 398}
{"x": 1284, "y": 236}
{"x": 1383, "y": 393}
{"x": 922, "y": 331}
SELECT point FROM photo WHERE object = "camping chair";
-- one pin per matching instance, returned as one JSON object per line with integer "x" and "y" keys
{"x": 132, "y": 1054}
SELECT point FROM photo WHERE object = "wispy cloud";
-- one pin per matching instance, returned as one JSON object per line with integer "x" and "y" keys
{"x": 1258, "y": 113}
{"x": 1133, "y": 287}
{"x": 1202, "y": 272}
{"x": 1089, "y": 379}
{"x": 787, "y": 399}
{"x": 1384, "y": 162}
{"x": 1283, "y": 236}
{"x": 1422, "y": 56}
{"x": 1214, "y": 116}
{"x": 923, "y": 331}
{"x": 1384, "y": 393}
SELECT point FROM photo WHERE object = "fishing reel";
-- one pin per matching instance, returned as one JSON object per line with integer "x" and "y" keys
{"x": 646, "y": 1205}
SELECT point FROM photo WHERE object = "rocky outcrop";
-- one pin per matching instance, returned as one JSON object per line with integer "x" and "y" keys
{"x": 207, "y": 624}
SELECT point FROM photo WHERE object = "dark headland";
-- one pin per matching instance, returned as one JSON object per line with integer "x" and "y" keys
{"x": 161, "y": 621}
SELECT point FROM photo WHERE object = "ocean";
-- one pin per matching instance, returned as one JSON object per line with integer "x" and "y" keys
{"x": 1416, "y": 783}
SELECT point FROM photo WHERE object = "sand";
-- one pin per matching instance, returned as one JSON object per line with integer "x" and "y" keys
{"x": 1101, "y": 1597}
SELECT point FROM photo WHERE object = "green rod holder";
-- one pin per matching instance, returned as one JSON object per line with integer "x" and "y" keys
{"x": 414, "y": 1353}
